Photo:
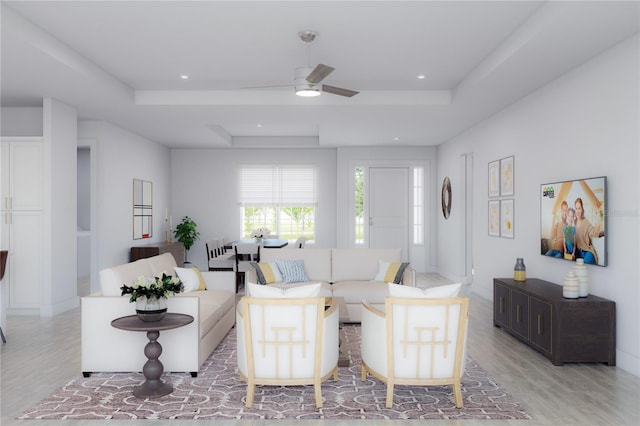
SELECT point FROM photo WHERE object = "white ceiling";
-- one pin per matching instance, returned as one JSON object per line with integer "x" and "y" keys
{"x": 120, "y": 61}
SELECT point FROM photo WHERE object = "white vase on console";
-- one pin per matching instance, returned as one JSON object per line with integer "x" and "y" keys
{"x": 580, "y": 269}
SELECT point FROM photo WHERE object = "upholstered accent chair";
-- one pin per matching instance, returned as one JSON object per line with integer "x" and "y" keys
{"x": 287, "y": 341}
{"x": 416, "y": 341}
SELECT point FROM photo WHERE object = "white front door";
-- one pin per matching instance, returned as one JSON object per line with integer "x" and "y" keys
{"x": 389, "y": 208}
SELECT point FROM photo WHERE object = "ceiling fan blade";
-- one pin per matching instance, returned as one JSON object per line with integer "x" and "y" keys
{"x": 267, "y": 87}
{"x": 339, "y": 91}
{"x": 319, "y": 73}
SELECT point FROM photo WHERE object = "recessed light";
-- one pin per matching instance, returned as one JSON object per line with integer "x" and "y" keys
{"x": 184, "y": 76}
{"x": 422, "y": 77}
{"x": 396, "y": 139}
{"x": 259, "y": 125}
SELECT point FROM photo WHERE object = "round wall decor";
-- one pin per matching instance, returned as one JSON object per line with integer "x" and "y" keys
{"x": 446, "y": 197}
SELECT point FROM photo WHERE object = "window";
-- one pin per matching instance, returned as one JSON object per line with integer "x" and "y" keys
{"x": 280, "y": 198}
{"x": 359, "y": 205}
{"x": 418, "y": 205}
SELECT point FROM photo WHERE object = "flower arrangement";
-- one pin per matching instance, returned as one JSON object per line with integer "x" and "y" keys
{"x": 160, "y": 287}
{"x": 260, "y": 232}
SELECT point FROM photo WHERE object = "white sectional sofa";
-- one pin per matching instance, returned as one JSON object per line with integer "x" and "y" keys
{"x": 344, "y": 272}
{"x": 184, "y": 349}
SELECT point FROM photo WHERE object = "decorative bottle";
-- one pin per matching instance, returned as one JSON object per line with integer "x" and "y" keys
{"x": 519, "y": 271}
{"x": 571, "y": 286}
{"x": 580, "y": 269}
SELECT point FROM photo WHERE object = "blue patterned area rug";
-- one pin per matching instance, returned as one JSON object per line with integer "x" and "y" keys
{"x": 217, "y": 393}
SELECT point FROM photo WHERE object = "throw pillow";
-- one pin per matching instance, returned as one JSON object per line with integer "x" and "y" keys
{"x": 292, "y": 271}
{"x": 202, "y": 285}
{"x": 189, "y": 278}
{"x": 440, "y": 292}
{"x": 390, "y": 272}
{"x": 270, "y": 292}
{"x": 267, "y": 272}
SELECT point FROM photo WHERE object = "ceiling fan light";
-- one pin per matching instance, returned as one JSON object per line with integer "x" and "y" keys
{"x": 307, "y": 92}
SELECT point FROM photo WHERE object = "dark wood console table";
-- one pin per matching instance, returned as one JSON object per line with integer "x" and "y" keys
{"x": 153, "y": 386}
{"x": 149, "y": 250}
{"x": 563, "y": 330}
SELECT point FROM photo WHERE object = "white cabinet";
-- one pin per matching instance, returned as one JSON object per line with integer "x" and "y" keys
{"x": 21, "y": 226}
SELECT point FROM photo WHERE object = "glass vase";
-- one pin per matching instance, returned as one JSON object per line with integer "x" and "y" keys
{"x": 519, "y": 270}
{"x": 151, "y": 308}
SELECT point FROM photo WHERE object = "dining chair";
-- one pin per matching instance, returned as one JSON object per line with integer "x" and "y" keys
{"x": 245, "y": 254}
{"x": 4, "y": 254}
{"x": 300, "y": 242}
{"x": 215, "y": 261}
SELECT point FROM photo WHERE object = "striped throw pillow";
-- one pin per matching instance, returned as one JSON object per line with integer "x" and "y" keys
{"x": 292, "y": 271}
{"x": 390, "y": 272}
{"x": 267, "y": 272}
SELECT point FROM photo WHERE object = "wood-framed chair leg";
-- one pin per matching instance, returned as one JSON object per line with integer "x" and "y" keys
{"x": 318, "y": 391}
{"x": 389, "y": 393}
{"x": 457, "y": 395}
{"x": 251, "y": 390}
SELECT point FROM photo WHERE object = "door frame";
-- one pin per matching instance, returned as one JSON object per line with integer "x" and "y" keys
{"x": 92, "y": 145}
{"x": 466, "y": 168}
{"x": 422, "y": 257}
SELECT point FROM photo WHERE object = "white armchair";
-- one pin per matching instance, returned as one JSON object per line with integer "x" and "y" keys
{"x": 286, "y": 342}
{"x": 416, "y": 342}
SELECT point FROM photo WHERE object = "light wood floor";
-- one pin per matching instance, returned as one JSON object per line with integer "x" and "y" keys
{"x": 43, "y": 354}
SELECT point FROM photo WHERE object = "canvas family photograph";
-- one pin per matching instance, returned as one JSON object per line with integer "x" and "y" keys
{"x": 573, "y": 220}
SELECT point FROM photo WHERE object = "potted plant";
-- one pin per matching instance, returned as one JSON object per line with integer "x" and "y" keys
{"x": 150, "y": 294}
{"x": 187, "y": 234}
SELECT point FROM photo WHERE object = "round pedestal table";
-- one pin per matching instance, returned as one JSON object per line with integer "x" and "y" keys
{"x": 153, "y": 387}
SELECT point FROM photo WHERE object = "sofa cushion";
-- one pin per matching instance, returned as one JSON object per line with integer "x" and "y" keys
{"x": 325, "y": 288}
{"x": 212, "y": 305}
{"x": 271, "y": 292}
{"x": 292, "y": 270}
{"x": 356, "y": 291}
{"x": 162, "y": 263}
{"x": 390, "y": 272}
{"x": 111, "y": 279}
{"x": 355, "y": 264}
{"x": 317, "y": 262}
{"x": 440, "y": 292}
{"x": 267, "y": 272}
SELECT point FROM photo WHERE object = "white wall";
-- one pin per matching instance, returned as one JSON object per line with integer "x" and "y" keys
{"x": 122, "y": 157}
{"x": 582, "y": 125}
{"x": 21, "y": 121}
{"x": 60, "y": 144}
{"x": 204, "y": 186}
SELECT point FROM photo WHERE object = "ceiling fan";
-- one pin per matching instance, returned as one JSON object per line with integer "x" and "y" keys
{"x": 307, "y": 79}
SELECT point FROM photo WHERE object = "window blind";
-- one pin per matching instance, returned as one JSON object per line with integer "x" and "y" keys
{"x": 277, "y": 185}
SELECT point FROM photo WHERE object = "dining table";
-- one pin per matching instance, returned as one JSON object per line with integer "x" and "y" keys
{"x": 266, "y": 242}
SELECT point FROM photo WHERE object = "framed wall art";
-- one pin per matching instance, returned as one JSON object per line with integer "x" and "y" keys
{"x": 507, "y": 172}
{"x": 494, "y": 218}
{"x": 142, "y": 209}
{"x": 506, "y": 218}
{"x": 571, "y": 208}
{"x": 494, "y": 178}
